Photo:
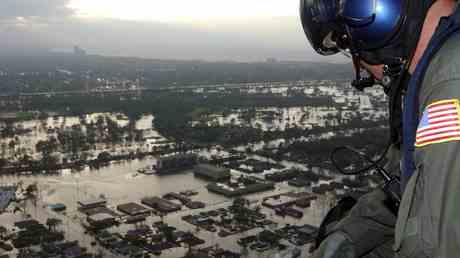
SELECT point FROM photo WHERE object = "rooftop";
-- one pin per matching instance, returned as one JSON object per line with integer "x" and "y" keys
{"x": 94, "y": 202}
{"x": 132, "y": 208}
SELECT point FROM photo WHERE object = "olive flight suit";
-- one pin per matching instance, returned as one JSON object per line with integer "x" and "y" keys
{"x": 428, "y": 222}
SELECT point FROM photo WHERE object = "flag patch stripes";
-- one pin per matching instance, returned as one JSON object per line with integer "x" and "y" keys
{"x": 440, "y": 123}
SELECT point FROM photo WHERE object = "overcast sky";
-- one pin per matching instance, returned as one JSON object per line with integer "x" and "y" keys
{"x": 240, "y": 30}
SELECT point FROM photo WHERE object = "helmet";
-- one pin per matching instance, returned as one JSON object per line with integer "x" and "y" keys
{"x": 366, "y": 24}
{"x": 374, "y": 24}
{"x": 318, "y": 21}
{"x": 376, "y": 31}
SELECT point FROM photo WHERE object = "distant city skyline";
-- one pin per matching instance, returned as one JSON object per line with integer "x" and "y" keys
{"x": 213, "y": 30}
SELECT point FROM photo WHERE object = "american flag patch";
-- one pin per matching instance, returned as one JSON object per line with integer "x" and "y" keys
{"x": 440, "y": 123}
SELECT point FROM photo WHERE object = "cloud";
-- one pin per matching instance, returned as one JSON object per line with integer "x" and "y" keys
{"x": 34, "y": 8}
{"x": 54, "y": 27}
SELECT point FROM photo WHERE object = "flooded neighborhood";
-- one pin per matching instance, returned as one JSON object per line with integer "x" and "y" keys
{"x": 120, "y": 188}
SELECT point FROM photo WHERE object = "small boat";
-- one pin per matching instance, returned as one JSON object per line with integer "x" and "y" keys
{"x": 146, "y": 171}
{"x": 189, "y": 193}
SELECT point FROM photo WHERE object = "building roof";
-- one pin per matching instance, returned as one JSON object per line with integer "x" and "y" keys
{"x": 132, "y": 208}
{"x": 211, "y": 168}
{"x": 212, "y": 171}
{"x": 57, "y": 206}
{"x": 279, "y": 201}
{"x": 92, "y": 202}
{"x": 101, "y": 217}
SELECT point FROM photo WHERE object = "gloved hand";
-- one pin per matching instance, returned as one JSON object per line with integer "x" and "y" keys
{"x": 336, "y": 245}
{"x": 367, "y": 231}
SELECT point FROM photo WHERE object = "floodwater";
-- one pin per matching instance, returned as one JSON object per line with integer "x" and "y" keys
{"x": 43, "y": 129}
{"x": 348, "y": 105}
{"x": 120, "y": 183}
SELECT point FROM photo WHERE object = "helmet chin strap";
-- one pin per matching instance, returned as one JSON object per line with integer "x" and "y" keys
{"x": 394, "y": 82}
{"x": 399, "y": 54}
{"x": 404, "y": 46}
{"x": 391, "y": 76}
{"x": 361, "y": 83}
{"x": 396, "y": 70}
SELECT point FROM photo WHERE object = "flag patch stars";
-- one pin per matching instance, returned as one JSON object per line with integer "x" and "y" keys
{"x": 440, "y": 123}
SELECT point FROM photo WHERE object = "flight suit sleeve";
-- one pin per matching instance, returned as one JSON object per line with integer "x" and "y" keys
{"x": 337, "y": 245}
{"x": 368, "y": 229}
{"x": 432, "y": 227}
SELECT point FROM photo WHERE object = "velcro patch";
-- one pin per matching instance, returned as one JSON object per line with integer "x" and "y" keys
{"x": 440, "y": 123}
